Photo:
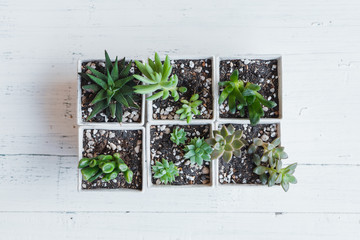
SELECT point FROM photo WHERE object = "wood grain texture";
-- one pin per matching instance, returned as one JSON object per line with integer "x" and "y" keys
{"x": 41, "y": 42}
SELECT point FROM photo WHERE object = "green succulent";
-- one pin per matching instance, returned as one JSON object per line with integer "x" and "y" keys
{"x": 114, "y": 88}
{"x": 156, "y": 76}
{"x": 240, "y": 96}
{"x": 189, "y": 108}
{"x": 269, "y": 164}
{"x": 178, "y": 136}
{"x": 226, "y": 142}
{"x": 198, "y": 151}
{"x": 165, "y": 171}
{"x": 106, "y": 166}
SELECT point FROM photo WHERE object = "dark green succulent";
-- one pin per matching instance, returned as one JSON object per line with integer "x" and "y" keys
{"x": 114, "y": 88}
{"x": 198, "y": 151}
{"x": 240, "y": 96}
{"x": 189, "y": 108}
{"x": 105, "y": 166}
{"x": 156, "y": 76}
{"x": 165, "y": 171}
{"x": 226, "y": 142}
{"x": 178, "y": 136}
{"x": 269, "y": 163}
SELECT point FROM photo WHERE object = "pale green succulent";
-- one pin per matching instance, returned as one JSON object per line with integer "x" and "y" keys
{"x": 178, "y": 136}
{"x": 198, "y": 151}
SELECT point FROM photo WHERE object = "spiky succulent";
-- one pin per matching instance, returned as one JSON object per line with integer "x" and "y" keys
{"x": 240, "y": 96}
{"x": 113, "y": 88}
{"x": 165, "y": 171}
{"x": 178, "y": 136}
{"x": 269, "y": 164}
{"x": 189, "y": 108}
{"x": 198, "y": 151}
{"x": 106, "y": 166}
{"x": 226, "y": 142}
{"x": 156, "y": 76}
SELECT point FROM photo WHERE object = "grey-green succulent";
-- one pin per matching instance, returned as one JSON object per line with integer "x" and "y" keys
{"x": 189, "y": 108}
{"x": 198, "y": 151}
{"x": 269, "y": 163}
{"x": 178, "y": 136}
{"x": 157, "y": 77}
{"x": 166, "y": 171}
{"x": 226, "y": 143}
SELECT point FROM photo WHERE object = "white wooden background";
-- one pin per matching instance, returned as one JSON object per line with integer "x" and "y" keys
{"x": 40, "y": 43}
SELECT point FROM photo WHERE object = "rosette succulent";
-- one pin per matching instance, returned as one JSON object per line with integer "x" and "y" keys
{"x": 226, "y": 143}
{"x": 178, "y": 136}
{"x": 166, "y": 171}
{"x": 189, "y": 108}
{"x": 198, "y": 151}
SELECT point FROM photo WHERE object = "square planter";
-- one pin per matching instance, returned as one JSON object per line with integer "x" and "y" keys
{"x": 128, "y": 141}
{"x": 240, "y": 169}
{"x": 264, "y": 70}
{"x": 159, "y": 145}
{"x": 131, "y": 116}
{"x": 197, "y": 74}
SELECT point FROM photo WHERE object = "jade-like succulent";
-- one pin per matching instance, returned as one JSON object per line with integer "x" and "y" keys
{"x": 189, "y": 108}
{"x": 226, "y": 142}
{"x": 165, "y": 171}
{"x": 198, "y": 151}
{"x": 114, "y": 88}
{"x": 269, "y": 164}
{"x": 240, "y": 96}
{"x": 106, "y": 166}
{"x": 156, "y": 76}
{"x": 178, "y": 136}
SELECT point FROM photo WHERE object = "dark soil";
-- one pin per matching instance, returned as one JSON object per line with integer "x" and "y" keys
{"x": 196, "y": 76}
{"x": 126, "y": 142}
{"x": 129, "y": 114}
{"x": 162, "y": 147}
{"x": 240, "y": 170}
{"x": 261, "y": 72}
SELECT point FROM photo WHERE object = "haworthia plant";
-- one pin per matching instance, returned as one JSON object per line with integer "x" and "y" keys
{"x": 166, "y": 171}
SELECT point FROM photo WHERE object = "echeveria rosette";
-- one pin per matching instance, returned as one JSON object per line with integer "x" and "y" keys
{"x": 113, "y": 89}
{"x": 157, "y": 77}
{"x": 226, "y": 143}
{"x": 178, "y": 136}
{"x": 269, "y": 164}
{"x": 189, "y": 108}
{"x": 165, "y": 171}
{"x": 240, "y": 96}
{"x": 198, "y": 151}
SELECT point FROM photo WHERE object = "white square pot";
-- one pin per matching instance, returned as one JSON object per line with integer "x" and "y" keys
{"x": 118, "y": 128}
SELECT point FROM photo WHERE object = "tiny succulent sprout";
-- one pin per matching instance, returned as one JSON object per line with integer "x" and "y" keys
{"x": 165, "y": 171}
{"x": 157, "y": 77}
{"x": 226, "y": 143}
{"x": 113, "y": 88}
{"x": 269, "y": 164}
{"x": 189, "y": 108}
{"x": 198, "y": 151}
{"x": 107, "y": 166}
{"x": 240, "y": 96}
{"x": 178, "y": 136}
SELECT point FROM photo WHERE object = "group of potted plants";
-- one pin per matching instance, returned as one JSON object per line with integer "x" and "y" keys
{"x": 182, "y": 141}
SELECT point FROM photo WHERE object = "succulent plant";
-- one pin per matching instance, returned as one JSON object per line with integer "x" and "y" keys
{"x": 178, "y": 136}
{"x": 106, "y": 166}
{"x": 165, "y": 171}
{"x": 189, "y": 108}
{"x": 269, "y": 164}
{"x": 156, "y": 76}
{"x": 198, "y": 151}
{"x": 226, "y": 142}
{"x": 114, "y": 88}
{"x": 240, "y": 96}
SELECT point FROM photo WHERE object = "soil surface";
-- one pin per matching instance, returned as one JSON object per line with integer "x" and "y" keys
{"x": 129, "y": 114}
{"x": 196, "y": 76}
{"x": 126, "y": 142}
{"x": 240, "y": 170}
{"x": 261, "y": 72}
{"x": 162, "y": 147}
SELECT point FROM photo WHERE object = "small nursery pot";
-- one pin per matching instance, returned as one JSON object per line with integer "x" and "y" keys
{"x": 243, "y": 166}
{"x": 108, "y": 140}
{"x": 164, "y": 110}
{"x": 253, "y": 67}
{"x": 183, "y": 165}
{"x": 80, "y": 110}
